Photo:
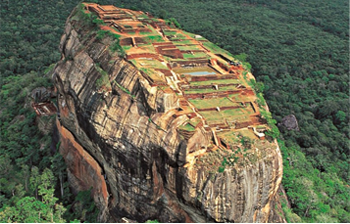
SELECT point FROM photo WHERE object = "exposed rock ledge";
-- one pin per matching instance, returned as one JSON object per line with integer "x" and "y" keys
{"x": 130, "y": 152}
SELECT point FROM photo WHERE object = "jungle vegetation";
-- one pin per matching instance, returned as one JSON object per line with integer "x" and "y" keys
{"x": 298, "y": 49}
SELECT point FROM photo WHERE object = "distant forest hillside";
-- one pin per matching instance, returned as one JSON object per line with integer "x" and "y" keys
{"x": 298, "y": 49}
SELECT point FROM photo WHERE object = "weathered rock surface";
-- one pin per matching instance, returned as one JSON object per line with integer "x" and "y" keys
{"x": 129, "y": 150}
{"x": 290, "y": 122}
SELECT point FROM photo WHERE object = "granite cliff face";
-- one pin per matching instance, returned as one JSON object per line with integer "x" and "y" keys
{"x": 127, "y": 139}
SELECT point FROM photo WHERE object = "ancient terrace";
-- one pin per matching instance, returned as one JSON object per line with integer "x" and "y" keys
{"x": 208, "y": 81}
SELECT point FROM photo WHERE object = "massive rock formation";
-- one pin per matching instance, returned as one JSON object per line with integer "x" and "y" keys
{"x": 143, "y": 147}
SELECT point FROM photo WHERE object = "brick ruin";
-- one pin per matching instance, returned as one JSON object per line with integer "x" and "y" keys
{"x": 41, "y": 101}
{"x": 185, "y": 64}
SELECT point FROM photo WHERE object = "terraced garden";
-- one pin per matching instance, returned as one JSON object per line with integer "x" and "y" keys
{"x": 196, "y": 70}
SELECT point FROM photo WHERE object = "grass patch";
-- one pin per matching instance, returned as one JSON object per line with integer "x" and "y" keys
{"x": 229, "y": 137}
{"x": 101, "y": 34}
{"x": 154, "y": 39}
{"x": 214, "y": 102}
{"x": 192, "y": 35}
{"x": 49, "y": 69}
{"x": 126, "y": 48}
{"x": 178, "y": 36}
{"x": 211, "y": 90}
{"x": 173, "y": 22}
{"x": 212, "y": 116}
{"x": 214, "y": 48}
{"x": 152, "y": 74}
{"x": 87, "y": 17}
{"x": 146, "y": 47}
{"x": 239, "y": 114}
{"x": 195, "y": 55}
{"x": 235, "y": 97}
{"x": 220, "y": 81}
{"x": 115, "y": 45}
{"x": 189, "y": 34}
{"x": 170, "y": 33}
{"x": 187, "y": 127}
{"x": 124, "y": 89}
{"x": 189, "y": 47}
{"x": 103, "y": 81}
{"x": 154, "y": 64}
{"x": 185, "y": 41}
{"x": 145, "y": 33}
{"x": 195, "y": 121}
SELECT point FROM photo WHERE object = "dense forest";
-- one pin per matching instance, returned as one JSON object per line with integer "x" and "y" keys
{"x": 298, "y": 49}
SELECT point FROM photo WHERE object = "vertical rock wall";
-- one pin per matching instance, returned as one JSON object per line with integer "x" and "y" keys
{"x": 151, "y": 171}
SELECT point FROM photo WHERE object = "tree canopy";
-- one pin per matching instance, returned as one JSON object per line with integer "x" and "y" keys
{"x": 297, "y": 49}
